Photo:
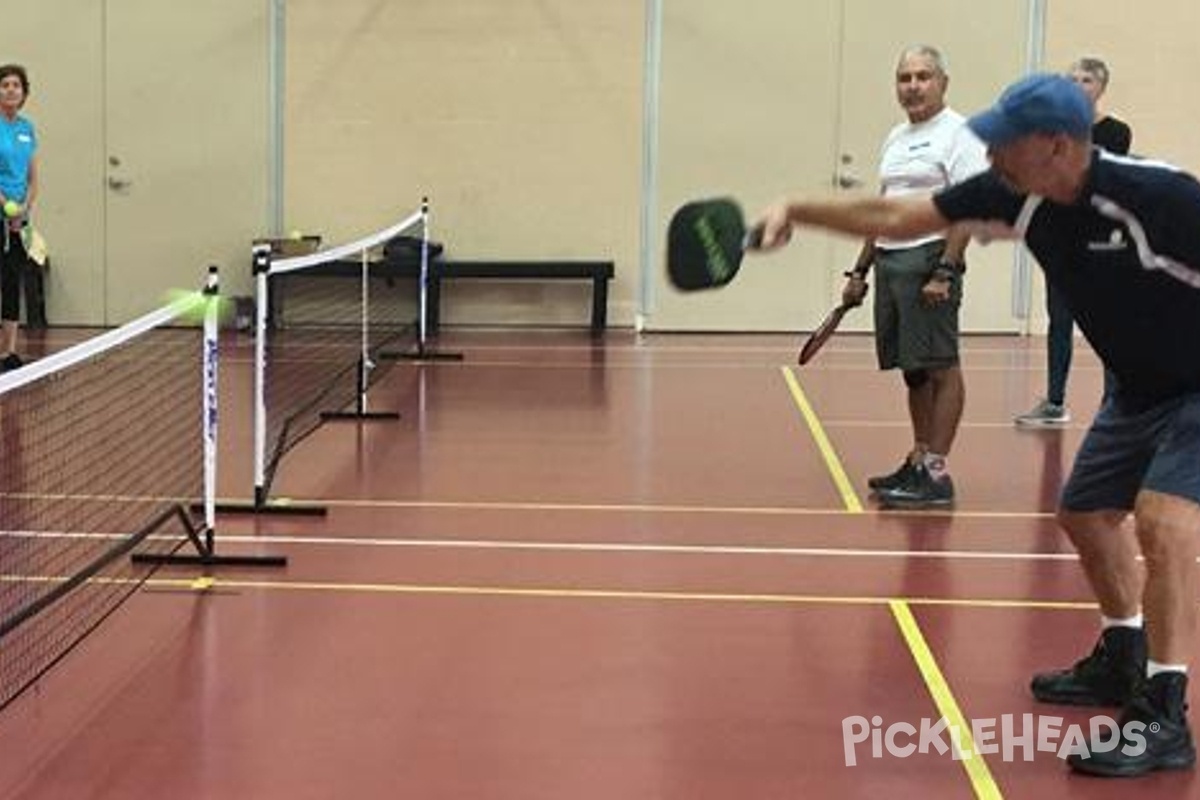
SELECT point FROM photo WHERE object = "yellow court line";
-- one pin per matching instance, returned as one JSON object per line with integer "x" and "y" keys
{"x": 832, "y": 462}
{"x": 906, "y": 424}
{"x": 646, "y": 508}
{"x": 977, "y": 769}
{"x": 592, "y": 593}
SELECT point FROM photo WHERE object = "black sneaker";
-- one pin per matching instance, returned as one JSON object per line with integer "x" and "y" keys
{"x": 919, "y": 490}
{"x": 1109, "y": 676}
{"x": 1154, "y": 733}
{"x": 892, "y": 480}
{"x": 10, "y": 362}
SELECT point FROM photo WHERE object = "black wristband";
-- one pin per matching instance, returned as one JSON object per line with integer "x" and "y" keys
{"x": 947, "y": 271}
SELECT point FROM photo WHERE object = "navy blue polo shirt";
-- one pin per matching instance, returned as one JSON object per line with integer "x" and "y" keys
{"x": 1125, "y": 255}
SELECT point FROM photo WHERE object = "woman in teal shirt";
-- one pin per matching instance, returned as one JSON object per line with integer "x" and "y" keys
{"x": 18, "y": 191}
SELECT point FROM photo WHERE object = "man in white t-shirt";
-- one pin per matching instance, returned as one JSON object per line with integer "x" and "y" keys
{"x": 918, "y": 282}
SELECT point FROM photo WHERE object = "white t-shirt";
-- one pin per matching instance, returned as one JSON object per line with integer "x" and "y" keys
{"x": 920, "y": 158}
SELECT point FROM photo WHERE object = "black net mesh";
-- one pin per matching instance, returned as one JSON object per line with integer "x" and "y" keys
{"x": 315, "y": 345}
{"x": 97, "y": 461}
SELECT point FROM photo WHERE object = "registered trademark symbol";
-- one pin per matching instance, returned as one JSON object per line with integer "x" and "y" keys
{"x": 1155, "y": 727}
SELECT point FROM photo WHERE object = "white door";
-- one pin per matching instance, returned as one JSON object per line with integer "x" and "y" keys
{"x": 758, "y": 110}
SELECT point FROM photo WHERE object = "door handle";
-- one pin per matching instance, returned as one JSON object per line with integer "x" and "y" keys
{"x": 118, "y": 184}
{"x": 845, "y": 180}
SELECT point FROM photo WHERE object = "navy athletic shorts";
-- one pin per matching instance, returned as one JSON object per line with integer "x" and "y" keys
{"x": 1124, "y": 451}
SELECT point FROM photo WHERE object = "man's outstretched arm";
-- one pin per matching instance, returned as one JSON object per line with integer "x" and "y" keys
{"x": 894, "y": 218}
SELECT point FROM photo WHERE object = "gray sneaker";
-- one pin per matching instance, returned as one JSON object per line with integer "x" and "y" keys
{"x": 1044, "y": 415}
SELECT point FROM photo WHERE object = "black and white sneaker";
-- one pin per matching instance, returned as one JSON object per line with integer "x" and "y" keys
{"x": 880, "y": 483}
{"x": 919, "y": 490}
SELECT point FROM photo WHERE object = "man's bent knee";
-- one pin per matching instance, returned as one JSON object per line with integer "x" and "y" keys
{"x": 1083, "y": 524}
{"x": 1166, "y": 523}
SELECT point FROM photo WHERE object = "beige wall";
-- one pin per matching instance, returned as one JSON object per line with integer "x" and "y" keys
{"x": 743, "y": 114}
{"x": 1150, "y": 59}
{"x": 521, "y": 120}
{"x": 1153, "y": 55}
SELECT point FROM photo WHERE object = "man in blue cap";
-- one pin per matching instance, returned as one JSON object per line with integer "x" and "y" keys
{"x": 1120, "y": 239}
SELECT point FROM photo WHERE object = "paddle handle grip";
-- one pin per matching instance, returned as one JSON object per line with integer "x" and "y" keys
{"x": 753, "y": 238}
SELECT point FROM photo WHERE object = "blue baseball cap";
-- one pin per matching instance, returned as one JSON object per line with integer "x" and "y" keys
{"x": 1040, "y": 103}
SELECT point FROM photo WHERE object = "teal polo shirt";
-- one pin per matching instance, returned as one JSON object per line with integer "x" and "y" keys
{"x": 18, "y": 142}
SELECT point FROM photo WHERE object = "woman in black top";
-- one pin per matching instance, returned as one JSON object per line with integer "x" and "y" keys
{"x": 1113, "y": 135}
{"x": 1108, "y": 132}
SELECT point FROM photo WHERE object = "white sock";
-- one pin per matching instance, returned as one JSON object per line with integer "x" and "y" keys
{"x": 1128, "y": 622}
{"x": 1153, "y": 668}
{"x": 936, "y": 464}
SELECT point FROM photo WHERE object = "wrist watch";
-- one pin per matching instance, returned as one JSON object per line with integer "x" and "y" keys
{"x": 948, "y": 271}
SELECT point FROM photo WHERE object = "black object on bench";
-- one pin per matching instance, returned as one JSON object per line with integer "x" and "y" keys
{"x": 440, "y": 269}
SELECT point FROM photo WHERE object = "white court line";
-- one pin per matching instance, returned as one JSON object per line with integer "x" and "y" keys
{"x": 593, "y": 547}
{"x": 690, "y": 549}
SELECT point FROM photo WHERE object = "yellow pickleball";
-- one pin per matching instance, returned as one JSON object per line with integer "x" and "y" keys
{"x": 191, "y": 304}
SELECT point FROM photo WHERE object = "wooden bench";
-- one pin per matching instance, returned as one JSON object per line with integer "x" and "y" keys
{"x": 440, "y": 269}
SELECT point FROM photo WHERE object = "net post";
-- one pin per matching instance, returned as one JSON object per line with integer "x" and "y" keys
{"x": 261, "y": 256}
{"x": 423, "y": 308}
{"x": 364, "y": 358}
{"x": 212, "y": 297}
{"x": 206, "y": 554}
{"x": 422, "y": 352}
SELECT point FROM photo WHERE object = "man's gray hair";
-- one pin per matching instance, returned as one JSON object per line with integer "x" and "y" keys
{"x": 1094, "y": 67}
{"x": 927, "y": 50}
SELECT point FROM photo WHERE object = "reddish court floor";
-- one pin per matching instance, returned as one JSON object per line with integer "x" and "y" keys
{"x": 582, "y": 569}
